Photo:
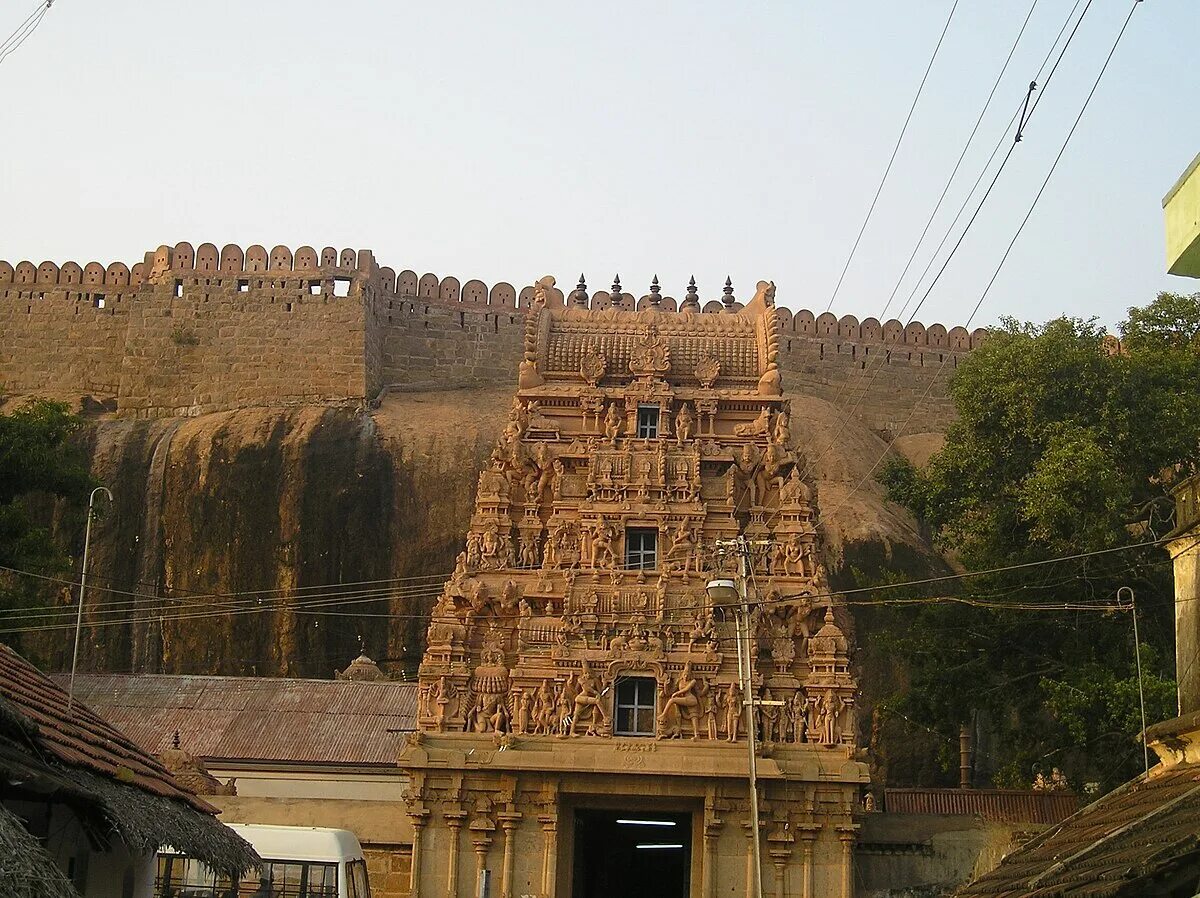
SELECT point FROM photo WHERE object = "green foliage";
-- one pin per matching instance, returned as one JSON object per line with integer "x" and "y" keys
{"x": 1061, "y": 448}
{"x": 181, "y": 336}
{"x": 1171, "y": 321}
{"x": 38, "y": 455}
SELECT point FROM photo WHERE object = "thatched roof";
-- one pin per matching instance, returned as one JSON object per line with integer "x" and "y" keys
{"x": 116, "y": 789}
{"x": 26, "y": 868}
{"x": 145, "y": 822}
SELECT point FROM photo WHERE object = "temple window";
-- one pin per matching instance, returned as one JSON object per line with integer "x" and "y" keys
{"x": 636, "y": 706}
{"x": 647, "y": 422}
{"x": 641, "y": 548}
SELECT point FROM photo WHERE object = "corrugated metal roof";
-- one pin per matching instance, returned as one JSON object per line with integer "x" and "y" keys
{"x": 82, "y": 739}
{"x": 258, "y": 718}
{"x": 1149, "y": 827}
{"x": 1004, "y": 805}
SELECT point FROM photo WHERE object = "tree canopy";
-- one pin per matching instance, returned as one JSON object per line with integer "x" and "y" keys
{"x": 1063, "y": 446}
{"x": 38, "y": 455}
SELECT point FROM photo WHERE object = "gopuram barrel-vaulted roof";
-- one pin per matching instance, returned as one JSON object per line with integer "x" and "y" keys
{"x": 687, "y": 347}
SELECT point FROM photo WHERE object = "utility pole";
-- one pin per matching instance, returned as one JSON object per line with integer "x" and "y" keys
{"x": 728, "y": 592}
{"x": 87, "y": 542}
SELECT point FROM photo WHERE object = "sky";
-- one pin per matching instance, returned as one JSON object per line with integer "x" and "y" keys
{"x": 508, "y": 141}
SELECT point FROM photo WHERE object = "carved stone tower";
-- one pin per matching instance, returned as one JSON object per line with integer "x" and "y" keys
{"x": 579, "y": 694}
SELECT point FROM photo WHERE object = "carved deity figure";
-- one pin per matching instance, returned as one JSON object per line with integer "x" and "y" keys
{"x": 525, "y": 715}
{"x": 529, "y": 550}
{"x": 564, "y": 704}
{"x": 768, "y": 715}
{"x": 680, "y": 554}
{"x": 446, "y": 693}
{"x": 544, "y": 709}
{"x": 799, "y": 717}
{"x": 588, "y": 701}
{"x": 745, "y": 471}
{"x": 474, "y": 551}
{"x": 602, "y": 554}
{"x": 733, "y": 712}
{"x": 685, "y": 421}
{"x": 793, "y": 560}
{"x": 782, "y": 435}
{"x": 612, "y": 423}
{"x": 541, "y": 474}
{"x": 685, "y": 703}
{"x": 825, "y": 718}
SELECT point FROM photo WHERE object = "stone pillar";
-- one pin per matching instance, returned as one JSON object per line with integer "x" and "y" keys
{"x": 414, "y": 873}
{"x": 808, "y": 837}
{"x": 712, "y": 833}
{"x": 847, "y": 836}
{"x": 749, "y": 827}
{"x": 549, "y": 852}
{"x": 779, "y": 858}
{"x": 508, "y": 823}
{"x": 454, "y": 820}
{"x": 481, "y": 844}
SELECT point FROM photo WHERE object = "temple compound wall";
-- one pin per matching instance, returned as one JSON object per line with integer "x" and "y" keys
{"x": 579, "y": 701}
{"x": 187, "y": 331}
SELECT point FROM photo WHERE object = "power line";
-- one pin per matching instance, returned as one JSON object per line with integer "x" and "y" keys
{"x": 891, "y": 160}
{"x": 782, "y": 600}
{"x": 1033, "y": 205}
{"x": 1024, "y": 112}
{"x": 13, "y": 42}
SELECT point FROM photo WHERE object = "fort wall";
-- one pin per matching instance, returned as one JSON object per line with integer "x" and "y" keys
{"x": 190, "y": 330}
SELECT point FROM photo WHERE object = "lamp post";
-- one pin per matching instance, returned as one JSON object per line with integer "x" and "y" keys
{"x": 87, "y": 542}
{"x": 732, "y": 594}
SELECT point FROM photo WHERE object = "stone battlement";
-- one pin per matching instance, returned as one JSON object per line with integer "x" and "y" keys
{"x": 191, "y": 330}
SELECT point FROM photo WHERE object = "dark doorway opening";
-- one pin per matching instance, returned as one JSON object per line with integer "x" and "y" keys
{"x": 631, "y": 854}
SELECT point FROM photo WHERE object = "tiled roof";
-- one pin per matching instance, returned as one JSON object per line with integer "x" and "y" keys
{"x": 83, "y": 739}
{"x": 1149, "y": 827}
{"x": 258, "y": 718}
{"x": 1002, "y": 805}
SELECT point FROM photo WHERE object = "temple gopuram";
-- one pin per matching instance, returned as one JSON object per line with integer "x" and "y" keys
{"x": 581, "y": 727}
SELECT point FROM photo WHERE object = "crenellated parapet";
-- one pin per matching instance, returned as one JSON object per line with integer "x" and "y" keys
{"x": 827, "y": 327}
{"x": 196, "y": 328}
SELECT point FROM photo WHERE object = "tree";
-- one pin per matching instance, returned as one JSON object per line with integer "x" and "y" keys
{"x": 38, "y": 456}
{"x": 1062, "y": 447}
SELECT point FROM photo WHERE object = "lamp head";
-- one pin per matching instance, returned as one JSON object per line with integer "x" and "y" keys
{"x": 723, "y": 592}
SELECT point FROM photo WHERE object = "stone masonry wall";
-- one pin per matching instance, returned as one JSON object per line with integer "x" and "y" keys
{"x": 184, "y": 333}
{"x": 188, "y": 331}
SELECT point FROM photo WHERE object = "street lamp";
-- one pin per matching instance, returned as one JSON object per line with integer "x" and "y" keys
{"x": 731, "y": 594}
{"x": 87, "y": 541}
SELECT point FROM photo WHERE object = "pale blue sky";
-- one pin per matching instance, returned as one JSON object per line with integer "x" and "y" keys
{"x": 505, "y": 141}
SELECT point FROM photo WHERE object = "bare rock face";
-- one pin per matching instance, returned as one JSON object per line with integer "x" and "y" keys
{"x": 258, "y": 511}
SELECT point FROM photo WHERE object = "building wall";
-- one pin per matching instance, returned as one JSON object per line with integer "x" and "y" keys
{"x": 1185, "y": 550}
{"x": 1181, "y": 211}
{"x": 918, "y": 855}
{"x": 113, "y": 873}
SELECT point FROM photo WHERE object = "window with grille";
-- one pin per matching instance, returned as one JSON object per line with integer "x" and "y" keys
{"x": 641, "y": 549}
{"x": 647, "y": 422}
{"x": 636, "y": 708}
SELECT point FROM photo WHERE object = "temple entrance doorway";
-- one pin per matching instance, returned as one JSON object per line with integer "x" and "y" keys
{"x": 631, "y": 854}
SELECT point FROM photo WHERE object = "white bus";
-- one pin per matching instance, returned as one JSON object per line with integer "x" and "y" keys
{"x": 298, "y": 862}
